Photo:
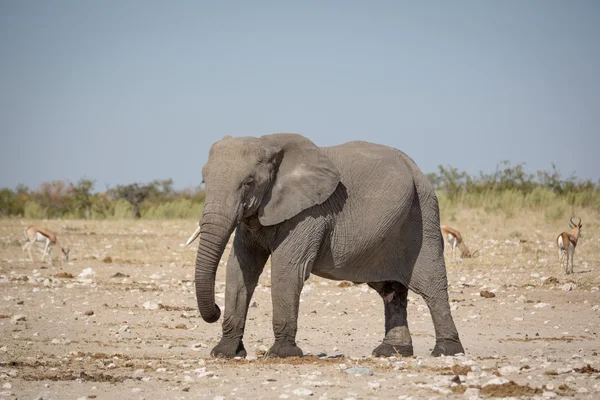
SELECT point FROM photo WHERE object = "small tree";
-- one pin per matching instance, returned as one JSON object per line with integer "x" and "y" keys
{"x": 82, "y": 197}
{"x": 134, "y": 194}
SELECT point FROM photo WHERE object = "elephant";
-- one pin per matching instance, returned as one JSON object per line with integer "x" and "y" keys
{"x": 358, "y": 211}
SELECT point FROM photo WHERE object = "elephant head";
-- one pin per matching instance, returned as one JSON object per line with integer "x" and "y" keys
{"x": 273, "y": 177}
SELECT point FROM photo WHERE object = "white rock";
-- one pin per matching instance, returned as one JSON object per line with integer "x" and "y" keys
{"x": 374, "y": 385}
{"x": 207, "y": 374}
{"x": 471, "y": 393}
{"x": 496, "y": 381}
{"x": 7, "y": 385}
{"x": 17, "y": 318}
{"x": 87, "y": 272}
{"x": 151, "y": 305}
{"x": 4, "y": 349}
{"x": 302, "y": 392}
{"x": 548, "y": 395}
{"x": 398, "y": 365}
{"x": 537, "y": 353}
{"x": 567, "y": 287}
{"x": 541, "y": 305}
{"x": 218, "y": 398}
{"x": 155, "y": 276}
{"x": 508, "y": 369}
{"x": 443, "y": 380}
{"x": 136, "y": 390}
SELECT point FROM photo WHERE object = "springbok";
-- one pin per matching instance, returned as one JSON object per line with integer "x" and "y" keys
{"x": 566, "y": 244}
{"x": 37, "y": 234}
{"x": 455, "y": 240}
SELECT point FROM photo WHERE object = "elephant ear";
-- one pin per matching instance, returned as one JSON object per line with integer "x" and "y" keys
{"x": 304, "y": 177}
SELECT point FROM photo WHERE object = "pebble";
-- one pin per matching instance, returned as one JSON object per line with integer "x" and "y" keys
{"x": 302, "y": 392}
{"x": 537, "y": 353}
{"x": 374, "y": 385}
{"x": 18, "y": 317}
{"x": 359, "y": 371}
{"x": 87, "y": 272}
{"x": 471, "y": 393}
{"x": 567, "y": 287}
{"x": 496, "y": 381}
{"x": 151, "y": 305}
{"x": 508, "y": 369}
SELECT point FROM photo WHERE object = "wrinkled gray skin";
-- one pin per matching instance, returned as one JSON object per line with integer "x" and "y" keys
{"x": 358, "y": 211}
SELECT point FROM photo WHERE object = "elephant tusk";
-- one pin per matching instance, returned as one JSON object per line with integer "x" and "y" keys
{"x": 193, "y": 237}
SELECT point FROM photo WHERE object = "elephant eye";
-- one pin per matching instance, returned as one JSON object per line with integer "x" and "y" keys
{"x": 249, "y": 181}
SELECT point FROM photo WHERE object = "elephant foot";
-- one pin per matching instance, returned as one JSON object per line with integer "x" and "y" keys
{"x": 284, "y": 349}
{"x": 229, "y": 349}
{"x": 388, "y": 350}
{"x": 447, "y": 348}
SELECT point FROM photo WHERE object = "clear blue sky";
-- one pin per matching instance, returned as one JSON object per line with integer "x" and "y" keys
{"x": 130, "y": 91}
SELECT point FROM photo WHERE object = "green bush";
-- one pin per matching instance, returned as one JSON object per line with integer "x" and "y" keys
{"x": 122, "y": 209}
{"x": 539, "y": 198}
{"x": 555, "y": 212}
{"x": 33, "y": 210}
{"x": 176, "y": 209}
{"x": 508, "y": 190}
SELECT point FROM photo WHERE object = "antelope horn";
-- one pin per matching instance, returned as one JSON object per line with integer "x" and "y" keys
{"x": 193, "y": 237}
{"x": 573, "y": 224}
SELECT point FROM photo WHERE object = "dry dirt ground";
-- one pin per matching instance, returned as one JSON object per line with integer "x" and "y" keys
{"x": 120, "y": 321}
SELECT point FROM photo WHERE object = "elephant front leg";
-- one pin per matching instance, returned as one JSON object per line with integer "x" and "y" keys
{"x": 243, "y": 270}
{"x": 397, "y": 338}
{"x": 286, "y": 286}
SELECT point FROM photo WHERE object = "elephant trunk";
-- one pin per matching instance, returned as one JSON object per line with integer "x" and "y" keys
{"x": 215, "y": 229}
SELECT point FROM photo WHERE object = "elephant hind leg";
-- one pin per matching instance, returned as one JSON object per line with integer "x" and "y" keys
{"x": 397, "y": 338}
{"x": 447, "y": 342}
